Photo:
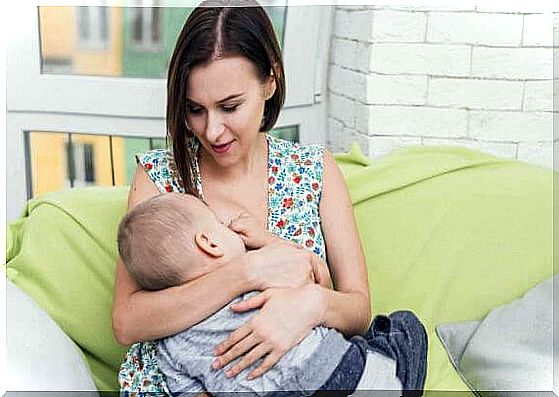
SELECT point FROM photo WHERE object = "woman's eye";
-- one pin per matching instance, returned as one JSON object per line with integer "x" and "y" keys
{"x": 194, "y": 110}
{"x": 230, "y": 109}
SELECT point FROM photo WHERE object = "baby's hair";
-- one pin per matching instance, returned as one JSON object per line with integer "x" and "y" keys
{"x": 156, "y": 241}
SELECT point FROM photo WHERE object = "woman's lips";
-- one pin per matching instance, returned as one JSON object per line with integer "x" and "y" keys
{"x": 220, "y": 149}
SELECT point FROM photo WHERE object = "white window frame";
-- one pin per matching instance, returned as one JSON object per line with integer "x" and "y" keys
{"x": 136, "y": 106}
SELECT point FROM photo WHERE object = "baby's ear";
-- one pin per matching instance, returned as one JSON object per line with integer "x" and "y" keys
{"x": 208, "y": 245}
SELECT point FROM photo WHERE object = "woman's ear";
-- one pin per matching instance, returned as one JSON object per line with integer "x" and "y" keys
{"x": 269, "y": 87}
{"x": 207, "y": 244}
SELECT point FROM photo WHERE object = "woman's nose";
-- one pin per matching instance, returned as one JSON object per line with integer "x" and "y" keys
{"x": 214, "y": 127}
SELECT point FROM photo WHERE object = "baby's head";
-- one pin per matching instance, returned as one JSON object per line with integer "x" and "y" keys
{"x": 173, "y": 238}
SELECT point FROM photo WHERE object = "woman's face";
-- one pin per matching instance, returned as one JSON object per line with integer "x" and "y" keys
{"x": 225, "y": 106}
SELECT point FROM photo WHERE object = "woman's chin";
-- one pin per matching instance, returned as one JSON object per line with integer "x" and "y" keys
{"x": 225, "y": 161}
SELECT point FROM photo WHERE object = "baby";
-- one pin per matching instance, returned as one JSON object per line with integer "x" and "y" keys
{"x": 175, "y": 238}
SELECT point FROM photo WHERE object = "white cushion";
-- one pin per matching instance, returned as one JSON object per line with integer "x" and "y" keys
{"x": 39, "y": 355}
{"x": 510, "y": 352}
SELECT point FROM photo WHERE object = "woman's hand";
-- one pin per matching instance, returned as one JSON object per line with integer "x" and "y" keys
{"x": 268, "y": 335}
{"x": 282, "y": 264}
{"x": 256, "y": 236}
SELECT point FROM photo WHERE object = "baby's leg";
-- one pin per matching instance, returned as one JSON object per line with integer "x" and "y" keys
{"x": 402, "y": 337}
{"x": 379, "y": 378}
{"x": 363, "y": 372}
{"x": 390, "y": 361}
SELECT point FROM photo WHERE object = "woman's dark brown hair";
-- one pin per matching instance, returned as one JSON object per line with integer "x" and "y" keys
{"x": 218, "y": 29}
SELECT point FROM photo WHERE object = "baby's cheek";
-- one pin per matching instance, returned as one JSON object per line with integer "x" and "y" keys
{"x": 223, "y": 218}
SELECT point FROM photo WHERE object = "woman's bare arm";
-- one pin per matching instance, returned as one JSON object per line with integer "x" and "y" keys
{"x": 347, "y": 308}
{"x": 140, "y": 315}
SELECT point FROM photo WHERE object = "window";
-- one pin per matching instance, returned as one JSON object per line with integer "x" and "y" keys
{"x": 146, "y": 27}
{"x": 290, "y": 133}
{"x": 88, "y": 163}
{"x": 59, "y": 160}
{"x": 80, "y": 164}
{"x": 93, "y": 27}
{"x": 118, "y": 41}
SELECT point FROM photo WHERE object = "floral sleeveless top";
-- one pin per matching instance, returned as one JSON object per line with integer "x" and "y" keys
{"x": 294, "y": 192}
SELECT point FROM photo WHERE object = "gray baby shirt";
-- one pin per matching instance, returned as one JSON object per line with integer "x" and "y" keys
{"x": 185, "y": 359}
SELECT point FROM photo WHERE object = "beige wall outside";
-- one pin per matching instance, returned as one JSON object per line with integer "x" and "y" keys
{"x": 58, "y": 32}
{"x": 49, "y": 160}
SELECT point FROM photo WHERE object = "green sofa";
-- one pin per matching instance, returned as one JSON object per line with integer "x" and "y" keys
{"x": 449, "y": 233}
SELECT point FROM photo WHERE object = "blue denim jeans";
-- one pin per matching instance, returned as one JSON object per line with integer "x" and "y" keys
{"x": 399, "y": 336}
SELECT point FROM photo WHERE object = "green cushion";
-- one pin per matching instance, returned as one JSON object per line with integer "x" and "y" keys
{"x": 62, "y": 253}
{"x": 449, "y": 233}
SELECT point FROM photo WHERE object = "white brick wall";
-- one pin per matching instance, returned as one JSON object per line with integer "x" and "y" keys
{"x": 430, "y": 59}
{"x": 540, "y": 153}
{"x": 396, "y": 89}
{"x": 353, "y": 55}
{"x": 513, "y": 7}
{"x": 538, "y": 95}
{"x": 479, "y": 77}
{"x": 380, "y": 145}
{"x": 348, "y": 83}
{"x": 512, "y": 63}
{"x": 353, "y": 25}
{"x": 538, "y": 30}
{"x": 511, "y": 126}
{"x": 475, "y": 94}
{"x": 397, "y": 26}
{"x": 474, "y": 28}
{"x": 417, "y": 121}
{"x": 440, "y": 7}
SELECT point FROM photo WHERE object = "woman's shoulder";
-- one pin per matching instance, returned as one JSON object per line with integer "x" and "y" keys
{"x": 295, "y": 151}
{"x": 295, "y": 194}
{"x": 161, "y": 169}
{"x": 302, "y": 165}
{"x": 153, "y": 157}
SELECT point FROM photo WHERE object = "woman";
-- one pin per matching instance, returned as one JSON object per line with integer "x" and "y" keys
{"x": 225, "y": 90}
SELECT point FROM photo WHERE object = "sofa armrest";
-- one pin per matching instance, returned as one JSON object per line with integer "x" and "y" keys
{"x": 39, "y": 355}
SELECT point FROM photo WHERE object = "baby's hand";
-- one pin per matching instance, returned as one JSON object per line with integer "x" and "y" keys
{"x": 253, "y": 233}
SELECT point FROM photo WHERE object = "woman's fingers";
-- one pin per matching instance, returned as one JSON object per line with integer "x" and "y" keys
{"x": 267, "y": 334}
{"x": 233, "y": 338}
{"x": 250, "y": 358}
{"x": 254, "y": 302}
{"x": 269, "y": 361}
{"x": 237, "y": 350}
